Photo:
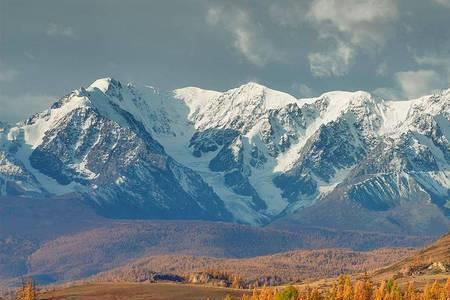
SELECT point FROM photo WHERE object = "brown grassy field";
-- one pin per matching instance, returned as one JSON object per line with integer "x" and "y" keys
{"x": 418, "y": 268}
{"x": 437, "y": 252}
{"x": 415, "y": 268}
{"x": 141, "y": 291}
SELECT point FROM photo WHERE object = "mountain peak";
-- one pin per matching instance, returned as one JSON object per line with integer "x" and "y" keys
{"x": 104, "y": 84}
{"x": 262, "y": 151}
{"x": 340, "y": 101}
{"x": 251, "y": 85}
{"x": 254, "y": 93}
{"x": 348, "y": 96}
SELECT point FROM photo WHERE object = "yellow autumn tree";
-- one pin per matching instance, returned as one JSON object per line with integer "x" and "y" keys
{"x": 363, "y": 289}
{"x": 315, "y": 294}
{"x": 237, "y": 282}
{"x": 347, "y": 291}
{"x": 266, "y": 293}
{"x": 447, "y": 289}
{"x": 27, "y": 290}
{"x": 380, "y": 291}
{"x": 410, "y": 292}
{"x": 254, "y": 295}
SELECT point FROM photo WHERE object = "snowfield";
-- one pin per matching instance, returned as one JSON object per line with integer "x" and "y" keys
{"x": 260, "y": 153}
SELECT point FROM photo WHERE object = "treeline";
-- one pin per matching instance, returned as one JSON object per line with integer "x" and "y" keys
{"x": 274, "y": 269}
{"x": 26, "y": 291}
{"x": 224, "y": 279}
{"x": 345, "y": 289}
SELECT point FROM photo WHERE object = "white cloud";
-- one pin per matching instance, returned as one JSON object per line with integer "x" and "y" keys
{"x": 354, "y": 25}
{"x": 382, "y": 69}
{"x": 306, "y": 91}
{"x": 291, "y": 13}
{"x": 418, "y": 83}
{"x": 388, "y": 93}
{"x": 248, "y": 37}
{"x": 8, "y": 74}
{"x": 331, "y": 63}
{"x": 16, "y": 108}
{"x": 434, "y": 60}
{"x": 60, "y": 31}
{"x": 303, "y": 90}
{"x": 439, "y": 62}
{"x": 443, "y": 2}
{"x": 362, "y": 21}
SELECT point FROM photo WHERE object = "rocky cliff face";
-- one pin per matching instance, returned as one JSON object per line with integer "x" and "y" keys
{"x": 87, "y": 144}
{"x": 250, "y": 154}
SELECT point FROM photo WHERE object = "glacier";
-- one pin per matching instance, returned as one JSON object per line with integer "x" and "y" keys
{"x": 249, "y": 155}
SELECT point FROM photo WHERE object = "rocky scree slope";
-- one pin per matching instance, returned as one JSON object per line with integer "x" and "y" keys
{"x": 250, "y": 155}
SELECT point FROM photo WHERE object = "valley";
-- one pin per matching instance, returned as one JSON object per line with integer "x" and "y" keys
{"x": 119, "y": 183}
{"x": 418, "y": 272}
{"x": 225, "y": 150}
{"x": 65, "y": 240}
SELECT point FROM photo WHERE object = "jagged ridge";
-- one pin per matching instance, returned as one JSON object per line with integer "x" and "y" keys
{"x": 251, "y": 151}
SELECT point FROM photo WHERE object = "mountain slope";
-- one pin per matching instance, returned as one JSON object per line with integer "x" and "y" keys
{"x": 86, "y": 143}
{"x": 273, "y": 269}
{"x": 425, "y": 265}
{"x": 61, "y": 238}
{"x": 116, "y": 243}
{"x": 248, "y": 155}
{"x": 281, "y": 154}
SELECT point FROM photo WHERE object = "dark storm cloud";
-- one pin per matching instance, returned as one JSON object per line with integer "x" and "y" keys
{"x": 397, "y": 48}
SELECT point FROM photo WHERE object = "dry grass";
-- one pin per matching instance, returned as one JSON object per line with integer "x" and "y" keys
{"x": 437, "y": 252}
{"x": 135, "y": 291}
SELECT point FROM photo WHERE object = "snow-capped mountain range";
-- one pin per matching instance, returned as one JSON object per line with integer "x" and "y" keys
{"x": 250, "y": 154}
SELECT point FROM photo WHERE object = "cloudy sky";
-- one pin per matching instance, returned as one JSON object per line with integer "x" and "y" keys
{"x": 394, "y": 48}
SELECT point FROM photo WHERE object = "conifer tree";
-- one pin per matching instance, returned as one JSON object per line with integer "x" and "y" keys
{"x": 27, "y": 290}
{"x": 344, "y": 289}
{"x": 237, "y": 282}
{"x": 289, "y": 293}
{"x": 410, "y": 293}
{"x": 447, "y": 289}
{"x": 254, "y": 295}
{"x": 347, "y": 291}
{"x": 381, "y": 291}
